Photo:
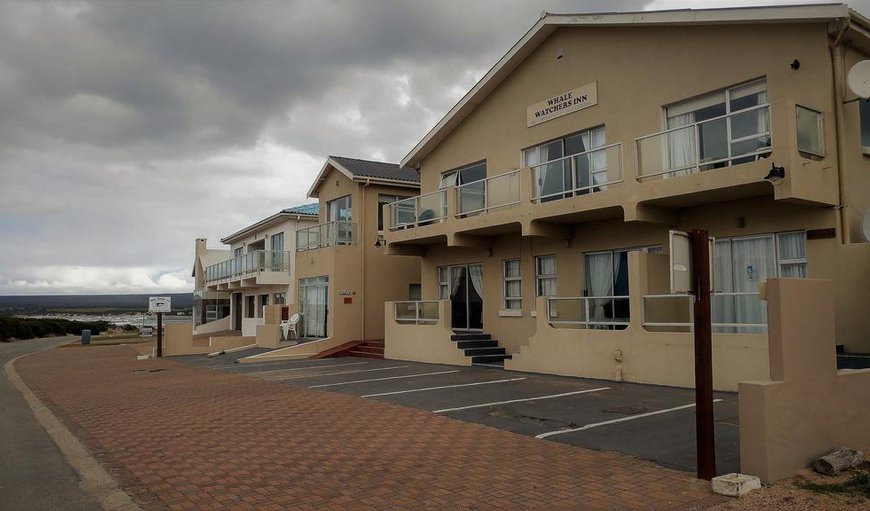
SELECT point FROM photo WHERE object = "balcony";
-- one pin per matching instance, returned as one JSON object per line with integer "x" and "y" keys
{"x": 326, "y": 235}
{"x": 258, "y": 267}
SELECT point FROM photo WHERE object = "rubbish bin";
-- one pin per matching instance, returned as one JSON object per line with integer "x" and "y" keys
{"x": 86, "y": 337}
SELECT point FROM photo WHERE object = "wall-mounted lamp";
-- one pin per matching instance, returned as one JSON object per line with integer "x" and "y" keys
{"x": 795, "y": 64}
{"x": 776, "y": 173}
{"x": 378, "y": 243}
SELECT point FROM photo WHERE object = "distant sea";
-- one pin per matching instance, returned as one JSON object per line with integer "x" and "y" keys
{"x": 138, "y": 320}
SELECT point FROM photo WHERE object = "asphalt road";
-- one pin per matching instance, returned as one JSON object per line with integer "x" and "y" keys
{"x": 647, "y": 421}
{"x": 33, "y": 472}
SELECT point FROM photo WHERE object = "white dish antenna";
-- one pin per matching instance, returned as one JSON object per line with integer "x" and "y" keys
{"x": 865, "y": 225}
{"x": 858, "y": 79}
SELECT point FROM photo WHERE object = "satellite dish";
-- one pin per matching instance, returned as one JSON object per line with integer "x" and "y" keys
{"x": 858, "y": 79}
{"x": 865, "y": 225}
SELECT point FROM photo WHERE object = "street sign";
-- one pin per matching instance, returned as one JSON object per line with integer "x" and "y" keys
{"x": 159, "y": 304}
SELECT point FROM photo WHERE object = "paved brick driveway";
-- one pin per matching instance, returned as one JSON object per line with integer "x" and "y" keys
{"x": 180, "y": 437}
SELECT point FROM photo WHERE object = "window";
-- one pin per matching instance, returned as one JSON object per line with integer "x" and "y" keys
{"x": 864, "y": 109}
{"x": 443, "y": 283}
{"x": 810, "y": 136}
{"x": 469, "y": 174}
{"x": 792, "y": 254}
{"x": 250, "y": 306}
{"x": 382, "y": 201}
{"x": 545, "y": 275}
{"x": 277, "y": 242}
{"x": 513, "y": 284}
{"x": 264, "y": 301}
{"x": 723, "y": 128}
{"x": 238, "y": 251}
{"x": 415, "y": 292}
{"x": 279, "y": 299}
{"x": 607, "y": 276}
{"x": 339, "y": 210}
{"x": 557, "y": 176}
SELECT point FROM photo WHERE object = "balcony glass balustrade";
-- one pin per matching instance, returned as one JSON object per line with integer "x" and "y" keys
{"x": 252, "y": 262}
{"x": 326, "y": 235}
{"x": 578, "y": 174}
{"x": 420, "y": 210}
{"x": 490, "y": 193}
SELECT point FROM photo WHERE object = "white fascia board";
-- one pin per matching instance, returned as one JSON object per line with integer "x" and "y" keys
{"x": 312, "y": 192}
{"x": 253, "y": 228}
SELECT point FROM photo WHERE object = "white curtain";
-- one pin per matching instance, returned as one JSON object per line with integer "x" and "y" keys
{"x": 599, "y": 275}
{"x": 476, "y": 273}
{"x": 723, "y": 282}
{"x": 547, "y": 267}
{"x": 763, "y": 113}
{"x": 754, "y": 261}
{"x": 455, "y": 280}
{"x": 792, "y": 254}
{"x": 681, "y": 144}
{"x": 599, "y": 158}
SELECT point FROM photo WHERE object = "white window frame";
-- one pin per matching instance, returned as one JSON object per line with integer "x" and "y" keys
{"x": 506, "y": 299}
{"x": 443, "y": 285}
{"x": 539, "y": 277}
{"x": 820, "y": 126}
{"x": 780, "y": 261}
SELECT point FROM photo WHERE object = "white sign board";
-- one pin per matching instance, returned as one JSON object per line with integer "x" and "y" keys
{"x": 159, "y": 304}
{"x": 681, "y": 262}
{"x": 562, "y": 104}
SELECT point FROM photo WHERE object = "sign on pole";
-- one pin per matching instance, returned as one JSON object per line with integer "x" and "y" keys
{"x": 159, "y": 304}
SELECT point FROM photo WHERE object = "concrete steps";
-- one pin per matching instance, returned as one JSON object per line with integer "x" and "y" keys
{"x": 483, "y": 350}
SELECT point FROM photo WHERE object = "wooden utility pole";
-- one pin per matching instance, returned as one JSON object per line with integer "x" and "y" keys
{"x": 159, "y": 334}
{"x": 703, "y": 318}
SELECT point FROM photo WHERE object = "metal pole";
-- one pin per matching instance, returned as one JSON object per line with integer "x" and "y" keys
{"x": 704, "y": 428}
{"x": 159, "y": 334}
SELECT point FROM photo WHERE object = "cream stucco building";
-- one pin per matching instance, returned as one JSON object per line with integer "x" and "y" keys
{"x": 233, "y": 286}
{"x": 549, "y": 191}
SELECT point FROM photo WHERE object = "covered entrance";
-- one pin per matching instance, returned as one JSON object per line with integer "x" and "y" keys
{"x": 463, "y": 286}
{"x": 314, "y": 305}
{"x": 237, "y": 311}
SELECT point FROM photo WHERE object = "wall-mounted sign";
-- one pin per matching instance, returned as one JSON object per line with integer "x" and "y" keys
{"x": 159, "y": 304}
{"x": 346, "y": 293}
{"x": 562, "y": 104}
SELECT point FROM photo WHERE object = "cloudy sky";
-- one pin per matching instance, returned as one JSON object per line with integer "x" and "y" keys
{"x": 129, "y": 128}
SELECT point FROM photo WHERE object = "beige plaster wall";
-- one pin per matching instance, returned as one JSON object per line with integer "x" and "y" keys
{"x": 178, "y": 340}
{"x": 422, "y": 343}
{"x": 637, "y": 354}
{"x": 810, "y": 408}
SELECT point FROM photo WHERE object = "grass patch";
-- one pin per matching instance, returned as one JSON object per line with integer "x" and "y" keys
{"x": 857, "y": 485}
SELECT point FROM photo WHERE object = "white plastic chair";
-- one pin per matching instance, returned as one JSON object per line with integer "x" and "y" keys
{"x": 288, "y": 327}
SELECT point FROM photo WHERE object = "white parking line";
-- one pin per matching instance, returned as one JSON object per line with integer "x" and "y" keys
{"x": 615, "y": 421}
{"x": 442, "y": 387}
{"x": 256, "y": 373}
{"x": 244, "y": 365}
{"x": 333, "y": 374}
{"x": 552, "y": 396}
{"x": 380, "y": 379}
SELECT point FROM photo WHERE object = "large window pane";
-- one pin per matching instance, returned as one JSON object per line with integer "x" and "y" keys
{"x": 864, "y": 108}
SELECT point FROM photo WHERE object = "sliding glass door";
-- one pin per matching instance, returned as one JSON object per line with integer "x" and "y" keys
{"x": 314, "y": 305}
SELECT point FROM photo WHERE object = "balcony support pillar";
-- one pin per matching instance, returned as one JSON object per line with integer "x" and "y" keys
{"x": 547, "y": 230}
{"x": 650, "y": 214}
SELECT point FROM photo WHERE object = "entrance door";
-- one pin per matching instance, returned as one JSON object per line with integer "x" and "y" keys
{"x": 466, "y": 296}
{"x": 237, "y": 311}
{"x": 314, "y": 305}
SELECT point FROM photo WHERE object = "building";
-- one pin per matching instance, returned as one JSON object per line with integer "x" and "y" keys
{"x": 549, "y": 191}
{"x": 234, "y": 286}
{"x": 343, "y": 274}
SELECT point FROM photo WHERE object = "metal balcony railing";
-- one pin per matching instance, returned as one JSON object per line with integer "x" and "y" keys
{"x": 578, "y": 174}
{"x": 736, "y": 312}
{"x": 420, "y": 210}
{"x": 417, "y": 312}
{"x": 490, "y": 193}
{"x": 254, "y": 261}
{"x": 326, "y": 235}
{"x": 731, "y": 139}
{"x": 589, "y": 311}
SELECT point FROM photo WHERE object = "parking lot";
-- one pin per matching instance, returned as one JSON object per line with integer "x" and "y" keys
{"x": 647, "y": 421}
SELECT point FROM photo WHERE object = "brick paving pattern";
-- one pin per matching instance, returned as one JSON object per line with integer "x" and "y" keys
{"x": 182, "y": 437}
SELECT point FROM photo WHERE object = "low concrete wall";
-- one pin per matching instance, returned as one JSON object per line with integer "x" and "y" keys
{"x": 811, "y": 408}
{"x": 296, "y": 352}
{"x": 214, "y": 326}
{"x": 637, "y": 354}
{"x": 178, "y": 340}
{"x": 249, "y": 326}
{"x": 269, "y": 336}
{"x": 422, "y": 343}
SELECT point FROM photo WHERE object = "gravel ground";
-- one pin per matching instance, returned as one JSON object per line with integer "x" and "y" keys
{"x": 786, "y": 494}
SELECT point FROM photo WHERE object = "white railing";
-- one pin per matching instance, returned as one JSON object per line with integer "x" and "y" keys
{"x": 731, "y": 311}
{"x": 578, "y": 174}
{"x": 254, "y": 261}
{"x": 326, "y": 235}
{"x": 730, "y": 139}
{"x": 588, "y": 311}
{"x": 419, "y": 210}
{"x": 490, "y": 193}
{"x": 416, "y": 312}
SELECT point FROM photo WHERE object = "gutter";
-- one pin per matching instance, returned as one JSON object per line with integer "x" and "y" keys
{"x": 838, "y": 68}
{"x": 362, "y": 243}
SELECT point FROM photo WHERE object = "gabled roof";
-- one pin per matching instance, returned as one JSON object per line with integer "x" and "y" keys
{"x": 209, "y": 257}
{"x": 368, "y": 171}
{"x": 548, "y": 23}
{"x": 312, "y": 209}
{"x": 305, "y": 212}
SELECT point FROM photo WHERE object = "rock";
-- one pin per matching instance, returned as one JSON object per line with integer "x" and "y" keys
{"x": 838, "y": 461}
{"x": 735, "y": 485}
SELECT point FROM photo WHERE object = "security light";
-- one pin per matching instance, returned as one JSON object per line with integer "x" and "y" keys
{"x": 776, "y": 173}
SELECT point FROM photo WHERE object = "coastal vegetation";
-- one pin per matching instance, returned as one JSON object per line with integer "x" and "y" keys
{"x": 29, "y": 328}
